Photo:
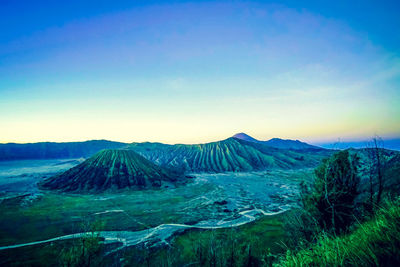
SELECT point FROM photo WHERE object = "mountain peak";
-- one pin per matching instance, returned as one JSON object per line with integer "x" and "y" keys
{"x": 245, "y": 137}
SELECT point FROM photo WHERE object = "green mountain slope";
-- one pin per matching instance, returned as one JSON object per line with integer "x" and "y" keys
{"x": 112, "y": 170}
{"x": 231, "y": 154}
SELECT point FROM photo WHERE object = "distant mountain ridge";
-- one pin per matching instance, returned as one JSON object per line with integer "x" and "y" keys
{"x": 389, "y": 143}
{"x": 279, "y": 143}
{"x": 52, "y": 150}
{"x": 239, "y": 153}
{"x": 110, "y": 170}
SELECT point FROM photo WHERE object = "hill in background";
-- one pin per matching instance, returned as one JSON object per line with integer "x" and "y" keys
{"x": 388, "y": 143}
{"x": 279, "y": 143}
{"x": 51, "y": 150}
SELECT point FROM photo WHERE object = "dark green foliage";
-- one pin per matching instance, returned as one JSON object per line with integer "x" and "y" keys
{"x": 85, "y": 251}
{"x": 391, "y": 175}
{"x": 253, "y": 244}
{"x": 379, "y": 179}
{"x": 111, "y": 170}
{"x": 301, "y": 228}
{"x": 328, "y": 232}
{"x": 373, "y": 243}
{"x": 213, "y": 250}
{"x": 331, "y": 199}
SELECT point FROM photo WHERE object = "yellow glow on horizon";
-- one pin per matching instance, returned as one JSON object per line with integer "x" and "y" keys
{"x": 307, "y": 124}
{"x": 312, "y": 116}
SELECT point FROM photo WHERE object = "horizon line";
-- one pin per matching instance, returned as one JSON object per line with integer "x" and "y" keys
{"x": 332, "y": 142}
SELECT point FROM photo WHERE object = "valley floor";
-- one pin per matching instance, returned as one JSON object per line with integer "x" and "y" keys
{"x": 134, "y": 218}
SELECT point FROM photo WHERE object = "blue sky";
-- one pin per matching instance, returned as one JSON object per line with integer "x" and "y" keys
{"x": 193, "y": 72}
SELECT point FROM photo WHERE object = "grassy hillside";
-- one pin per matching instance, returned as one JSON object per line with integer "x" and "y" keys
{"x": 231, "y": 154}
{"x": 343, "y": 221}
{"x": 111, "y": 170}
{"x": 373, "y": 243}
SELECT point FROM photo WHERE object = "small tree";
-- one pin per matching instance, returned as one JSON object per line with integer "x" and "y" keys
{"x": 86, "y": 250}
{"x": 330, "y": 200}
{"x": 376, "y": 169}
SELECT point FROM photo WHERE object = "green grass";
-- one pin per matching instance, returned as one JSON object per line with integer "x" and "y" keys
{"x": 263, "y": 235}
{"x": 373, "y": 243}
{"x": 266, "y": 232}
{"x": 53, "y": 214}
{"x": 195, "y": 247}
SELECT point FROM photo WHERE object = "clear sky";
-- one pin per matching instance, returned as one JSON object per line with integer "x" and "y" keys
{"x": 190, "y": 72}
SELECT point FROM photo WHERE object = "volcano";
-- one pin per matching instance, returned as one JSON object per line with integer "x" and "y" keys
{"x": 111, "y": 170}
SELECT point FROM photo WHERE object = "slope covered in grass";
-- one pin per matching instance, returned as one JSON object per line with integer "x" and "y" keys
{"x": 231, "y": 154}
{"x": 110, "y": 170}
{"x": 373, "y": 243}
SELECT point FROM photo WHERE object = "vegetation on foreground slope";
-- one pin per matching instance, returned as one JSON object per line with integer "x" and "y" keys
{"x": 373, "y": 243}
{"x": 337, "y": 227}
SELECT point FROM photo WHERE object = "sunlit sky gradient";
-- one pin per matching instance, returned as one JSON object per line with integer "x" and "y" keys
{"x": 190, "y": 72}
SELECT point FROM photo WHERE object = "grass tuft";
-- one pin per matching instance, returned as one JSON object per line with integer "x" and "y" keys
{"x": 373, "y": 243}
